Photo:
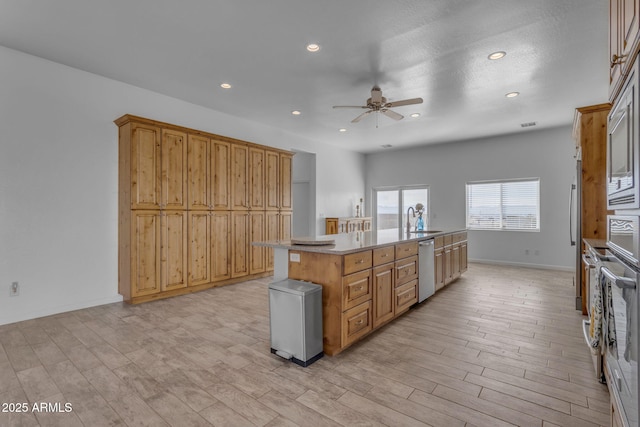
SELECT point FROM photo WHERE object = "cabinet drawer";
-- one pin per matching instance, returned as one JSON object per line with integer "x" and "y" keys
{"x": 356, "y": 289}
{"x": 356, "y": 322}
{"x": 439, "y": 241}
{"x": 383, "y": 255}
{"x": 448, "y": 239}
{"x": 405, "y": 296}
{"x": 406, "y": 270}
{"x": 404, "y": 250}
{"x": 459, "y": 237}
{"x": 357, "y": 262}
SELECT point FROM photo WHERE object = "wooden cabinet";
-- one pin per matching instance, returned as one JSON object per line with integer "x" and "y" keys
{"x": 334, "y": 225}
{"x": 405, "y": 296}
{"x": 383, "y": 293}
{"x": 158, "y": 242}
{"x": 624, "y": 26}
{"x": 356, "y": 323}
{"x": 590, "y": 136}
{"x": 190, "y": 204}
{"x": 450, "y": 258}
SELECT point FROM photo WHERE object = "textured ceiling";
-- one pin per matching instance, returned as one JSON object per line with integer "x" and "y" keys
{"x": 556, "y": 58}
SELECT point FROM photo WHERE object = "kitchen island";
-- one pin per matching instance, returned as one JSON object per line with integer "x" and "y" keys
{"x": 368, "y": 278}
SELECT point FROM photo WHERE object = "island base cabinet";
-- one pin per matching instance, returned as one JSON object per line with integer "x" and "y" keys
{"x": 356, "y": 322}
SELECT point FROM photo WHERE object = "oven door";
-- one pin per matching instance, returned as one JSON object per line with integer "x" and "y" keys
{"x": 623, "y": 237}
{"x": 620, "y": 324}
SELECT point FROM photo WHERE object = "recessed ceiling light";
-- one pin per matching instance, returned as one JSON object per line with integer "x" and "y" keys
{"x": 313, "y": 47}
{"x": 296, "y": 112}
{"x": 497, "y": 55}
{"x": 512, "y": 94}
{"x": 342, "y": 130}
{"x": 225, "y": 86}
{"x": 414, "y": 115}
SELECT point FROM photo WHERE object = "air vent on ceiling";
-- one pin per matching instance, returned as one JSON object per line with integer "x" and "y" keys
{"x": 527, "y": 125}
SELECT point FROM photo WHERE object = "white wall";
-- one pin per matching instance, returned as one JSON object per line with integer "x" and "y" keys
{"x": 58, "y": 178}
{"x": 547, "y": 154}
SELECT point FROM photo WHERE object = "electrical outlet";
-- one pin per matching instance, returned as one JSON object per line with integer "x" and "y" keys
{"x": 526, "y": 251}
{"x": 14, "y": 289}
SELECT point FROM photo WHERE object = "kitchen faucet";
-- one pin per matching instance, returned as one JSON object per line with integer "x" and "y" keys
{"x": 408, "y": 221}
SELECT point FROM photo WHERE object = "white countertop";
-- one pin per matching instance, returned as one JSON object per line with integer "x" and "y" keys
{"x": 353, "y": 242}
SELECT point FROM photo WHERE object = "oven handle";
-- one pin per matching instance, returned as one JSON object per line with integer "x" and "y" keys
{"x": 587, "y": 260}
{"x": 621, "y": 282}
{"x": 585, "y": 327}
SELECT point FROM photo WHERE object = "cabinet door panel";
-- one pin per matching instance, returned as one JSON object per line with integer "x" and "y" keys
{"x": 239, "y": 177}
{"x": 256, "y": 179}
{"x": 257, "y": 258}
{"x": 285, "y": 225}
{"x": 439, "y": 267}
{"x": 145, "y": 165}
{"x": 272, "y": 232}
{"x": 174, "y": 250}
{"x": 285, "y": 181}
{"x": 220, "y": 175}
{"x": 199, "y": 161}
{"x": 272, "y": 180}
{"x": 383, "y": 295}
{"x": 356, "y": 322}
{"x": 464, "y": 262}
{"x": 406, "y": 296}
{"x": 356, "y": 289}
{"x": 174, "y": 169}
{"x": 221, "y": 246}
{"x": 145, "y": 251}
{"x": 199, "y": 248}
{"x": 240, "y": 248}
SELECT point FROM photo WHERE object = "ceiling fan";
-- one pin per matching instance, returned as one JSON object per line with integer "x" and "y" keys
{"x": 378, "y": 103}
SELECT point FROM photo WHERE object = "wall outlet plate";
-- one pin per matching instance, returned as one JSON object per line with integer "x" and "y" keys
{"x": 14, "y": 289}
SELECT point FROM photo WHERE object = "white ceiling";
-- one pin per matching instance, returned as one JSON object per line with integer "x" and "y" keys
{"x": 434, "y": 49}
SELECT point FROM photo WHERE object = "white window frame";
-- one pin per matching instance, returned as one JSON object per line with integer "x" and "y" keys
{"x": 504, "y": 225}
{"x": 402, "y": 215}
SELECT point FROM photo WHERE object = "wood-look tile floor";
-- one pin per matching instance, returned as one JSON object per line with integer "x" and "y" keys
{"x": 501, "y": 346}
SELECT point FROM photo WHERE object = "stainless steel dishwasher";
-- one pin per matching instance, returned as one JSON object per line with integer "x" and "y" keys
{"x": 427, "y": 282}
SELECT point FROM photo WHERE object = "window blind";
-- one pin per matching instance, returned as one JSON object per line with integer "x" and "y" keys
{"x": 504, "y": 205}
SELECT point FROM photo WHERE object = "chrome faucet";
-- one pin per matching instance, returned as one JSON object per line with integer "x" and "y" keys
{"x": 408, "y": 221}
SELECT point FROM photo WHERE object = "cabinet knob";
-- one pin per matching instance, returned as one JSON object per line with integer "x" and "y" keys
{"x": 617, "y": 59}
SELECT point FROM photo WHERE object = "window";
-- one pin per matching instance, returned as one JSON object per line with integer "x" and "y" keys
{"x": 504, "y": 205}
{"x": 392, "y": 204}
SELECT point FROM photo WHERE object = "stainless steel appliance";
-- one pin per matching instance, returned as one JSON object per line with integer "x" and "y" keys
{"x": 426, "y": 268}
{"x": 619, "y": 276}
{"x": 295, "y": 314}
{"x": 623, "y": 153}
{"x": 575, "y": 227}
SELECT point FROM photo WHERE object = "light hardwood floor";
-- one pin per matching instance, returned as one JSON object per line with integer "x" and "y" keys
{"x": 501, "y": 346}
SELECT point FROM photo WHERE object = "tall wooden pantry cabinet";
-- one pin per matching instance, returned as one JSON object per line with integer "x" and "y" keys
{"x": 190, "y": 204}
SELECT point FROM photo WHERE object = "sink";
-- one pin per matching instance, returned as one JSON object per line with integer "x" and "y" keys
{"x": 426, "y": 231}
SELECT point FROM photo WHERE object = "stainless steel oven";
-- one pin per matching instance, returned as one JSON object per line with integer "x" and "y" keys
{"x": 623, "y": 168}
{"x": 619, "y": 276}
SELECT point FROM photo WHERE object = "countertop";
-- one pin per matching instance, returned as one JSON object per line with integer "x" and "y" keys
{"x": 347, "y": 243}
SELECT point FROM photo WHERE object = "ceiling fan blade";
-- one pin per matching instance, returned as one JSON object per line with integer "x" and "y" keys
{"x": 350, "y": 106}
{"x": 392, "y": 114}
{"x": 411, "y": 101}
{"x": 361, "y": 116}
{"x": 376, "y": 95}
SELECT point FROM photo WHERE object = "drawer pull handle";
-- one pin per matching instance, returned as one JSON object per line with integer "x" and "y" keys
{"x": 359, "y": 322}
{"x": 384, "y": 255}
{"x": 360, "y": 261}
{"x": 360, "y": 288}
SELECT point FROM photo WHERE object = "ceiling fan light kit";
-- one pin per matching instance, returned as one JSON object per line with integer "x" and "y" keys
{"x": 378, "y": 104}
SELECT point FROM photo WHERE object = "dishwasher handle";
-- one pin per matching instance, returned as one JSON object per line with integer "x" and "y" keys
{"x": 426, "y": 243}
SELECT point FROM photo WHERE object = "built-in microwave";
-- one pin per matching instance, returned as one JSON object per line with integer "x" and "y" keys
{"x": 623, "y": 151}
